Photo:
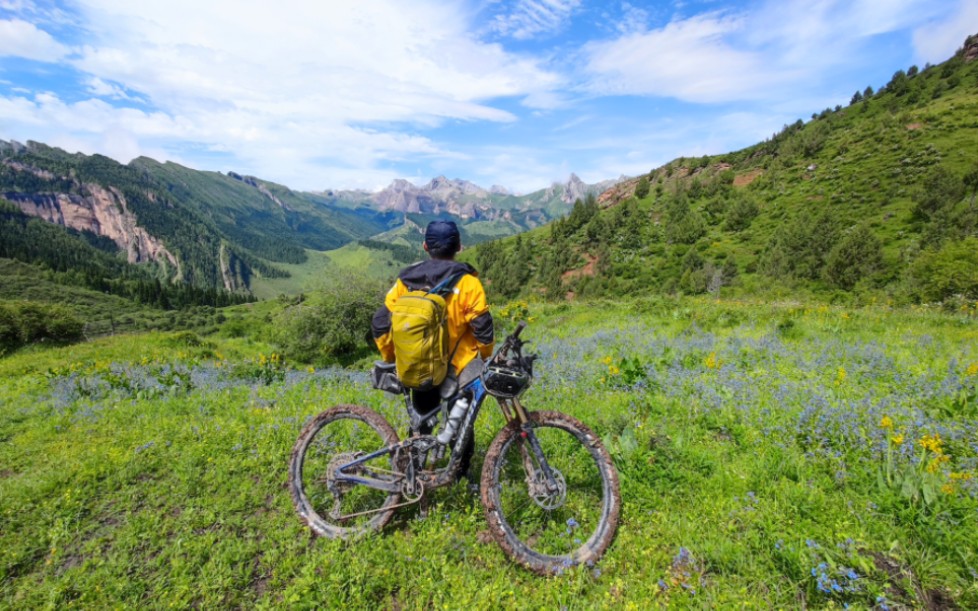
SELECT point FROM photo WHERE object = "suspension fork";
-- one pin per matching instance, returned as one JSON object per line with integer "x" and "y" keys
{"x": 513, "y": 410}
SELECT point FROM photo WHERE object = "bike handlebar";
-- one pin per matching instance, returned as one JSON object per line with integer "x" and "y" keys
{"x": 519, "y": 329}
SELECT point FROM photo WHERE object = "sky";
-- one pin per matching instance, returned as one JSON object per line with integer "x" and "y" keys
{"x": 515, "y": 93}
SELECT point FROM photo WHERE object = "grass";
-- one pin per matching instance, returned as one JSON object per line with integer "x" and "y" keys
{"x": 756, "y": 445}
{"x": 322, "y": 268}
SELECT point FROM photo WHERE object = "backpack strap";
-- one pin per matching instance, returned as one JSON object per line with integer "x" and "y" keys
{"x": 445, "y": 286}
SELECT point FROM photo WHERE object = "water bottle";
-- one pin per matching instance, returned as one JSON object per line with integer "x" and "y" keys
{"x": 454, "y": 419}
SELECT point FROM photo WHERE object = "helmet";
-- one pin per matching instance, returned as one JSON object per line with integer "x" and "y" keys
{"x": 504, "y": 381}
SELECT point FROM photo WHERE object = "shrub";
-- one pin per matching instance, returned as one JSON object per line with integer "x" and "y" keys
{"x": 859, "y": 254}
{"x": 642, "y": 188}
{"x": 335, "y": 328}
{"x": 25, "y": 322}
{"x": 946, "y": 273}
{"x": 741, "y": 214}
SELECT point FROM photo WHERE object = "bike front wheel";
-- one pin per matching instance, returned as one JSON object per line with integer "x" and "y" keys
{"x": 332, "y": 505}
{"x": 551, "y": 522}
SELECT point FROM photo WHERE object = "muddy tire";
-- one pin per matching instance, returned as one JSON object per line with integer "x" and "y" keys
{"x": 335, "y": 509}
{"x": 548, "y": 530}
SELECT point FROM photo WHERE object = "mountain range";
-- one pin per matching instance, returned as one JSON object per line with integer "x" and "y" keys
{"x": 212, "y": 229}
{"x": 875, "y": 198}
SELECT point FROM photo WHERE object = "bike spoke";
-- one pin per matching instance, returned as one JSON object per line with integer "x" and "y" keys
{"x": 340, "y": 504}
{"x": 556, "y": 522}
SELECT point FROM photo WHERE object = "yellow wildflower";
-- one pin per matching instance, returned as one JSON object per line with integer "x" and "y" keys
{"x": 972, "y": 369}
{"x": 886, "y": 423}
{"x": 613, "y": 370}
{"x": 897, "y": 439}
{"x": 840, "y": 375}
{"x": 947, "y": 488}
{"x": 712, "y": 362}
{"x": 932, "y": 443}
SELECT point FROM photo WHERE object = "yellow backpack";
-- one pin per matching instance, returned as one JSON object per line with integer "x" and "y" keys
{"x": 419, "y": 331}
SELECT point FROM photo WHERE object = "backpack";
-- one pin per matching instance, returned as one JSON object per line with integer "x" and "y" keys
{"x": 419, "y": 331}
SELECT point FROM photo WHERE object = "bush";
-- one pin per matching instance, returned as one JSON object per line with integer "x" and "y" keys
{"x": 741, "y": 214}
{"x": 25, "y": 322}
{"x": 858, "y": 255}
{"x": 642, "y": 188}
{"x": 943, "y": 274}
{"x": 333, "y": 328}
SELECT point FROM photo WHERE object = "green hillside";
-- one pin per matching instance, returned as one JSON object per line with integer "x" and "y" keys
{"x": 876, "y": 199}
{"x": 367, "y": 259}
{"x": 222, "y": 229}
{"x": 269, "y": 219}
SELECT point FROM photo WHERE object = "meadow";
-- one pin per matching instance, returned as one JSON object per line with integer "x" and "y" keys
{"x": 771, "y": 456}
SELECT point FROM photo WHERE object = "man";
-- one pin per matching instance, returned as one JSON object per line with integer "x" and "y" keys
{"x": 470, "y": 327}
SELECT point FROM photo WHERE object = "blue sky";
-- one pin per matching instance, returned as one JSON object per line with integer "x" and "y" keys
{"x": 516, "y": 93}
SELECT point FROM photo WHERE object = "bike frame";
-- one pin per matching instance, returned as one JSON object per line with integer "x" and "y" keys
{"x": 419, "y": 446}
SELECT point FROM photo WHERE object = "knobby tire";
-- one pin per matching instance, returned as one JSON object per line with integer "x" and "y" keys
{"x": 341, "y": 431}
{"x": 550, "y": 536}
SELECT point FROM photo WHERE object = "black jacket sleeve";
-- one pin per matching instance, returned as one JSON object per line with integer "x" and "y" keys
{"x": 380, "y": 325}
{"x": 482, "y": 328}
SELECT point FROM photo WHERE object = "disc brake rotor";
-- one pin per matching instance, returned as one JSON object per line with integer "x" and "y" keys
{"x": 339, "y": 486}
{"x": 541, "y": 493}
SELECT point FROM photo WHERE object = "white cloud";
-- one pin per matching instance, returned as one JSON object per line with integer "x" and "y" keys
{"x": 688, "y": 59}
{"x": 938, "y": 40}
{"x": 633, "y": 19}
{"x": 102, "y": 89}
{"x": 311, "y": 84}
{"x": 22, "y": 39}
{"x": 530, "y": 18}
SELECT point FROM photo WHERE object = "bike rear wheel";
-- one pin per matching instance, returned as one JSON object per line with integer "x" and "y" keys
{"x": 331, "y": 506}
{"x": 550, "y": 526}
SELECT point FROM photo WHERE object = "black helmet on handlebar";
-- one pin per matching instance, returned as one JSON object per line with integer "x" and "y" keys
{"x": 508, "y": 374}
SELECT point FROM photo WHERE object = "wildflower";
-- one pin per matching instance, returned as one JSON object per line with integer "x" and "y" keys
{"x": 711, "y": 361}
{"x": 972, "y": 369}
{"x": 934, "y": 465}
{"x": 948, "y": 489}
{"x": 886, "y": 423}
{"x": 840, "y": 375}
{"x": 932, "y": 443}
{"x": 613, "y": 370}
{"x": 897, "y": 439}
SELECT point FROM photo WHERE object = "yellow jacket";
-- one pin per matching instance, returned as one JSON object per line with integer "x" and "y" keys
{"x": 470, "y": 328}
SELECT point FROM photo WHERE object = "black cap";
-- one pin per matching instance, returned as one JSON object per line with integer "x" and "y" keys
{"x": 442, "y": 238}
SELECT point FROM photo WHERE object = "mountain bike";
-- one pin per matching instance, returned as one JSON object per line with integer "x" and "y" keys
{"x": 549, "y": 488}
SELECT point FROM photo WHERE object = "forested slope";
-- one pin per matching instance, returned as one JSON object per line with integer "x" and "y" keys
{"x": 876, "y": 199}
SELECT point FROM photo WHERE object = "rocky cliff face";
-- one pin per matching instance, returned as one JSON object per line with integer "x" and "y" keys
{"x": 102, "y": 211}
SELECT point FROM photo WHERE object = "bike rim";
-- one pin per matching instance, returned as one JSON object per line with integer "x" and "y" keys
{"x": 555, "y": 528}
{"x": 336, "y": 508}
